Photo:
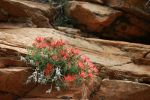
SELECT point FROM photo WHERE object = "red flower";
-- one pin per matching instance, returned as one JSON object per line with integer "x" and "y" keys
{"x": 65, "y": 57}
{"x": 69, "y": 78}
{"x": 85, "y": 58}
{"x": 95, "y": 69}
{"x": 74, "y": 51}
{"x": 42, "y": 45}
{"x": 90, "y": 71}
{"x": 90, "y": 64}
{"x": 60, "y": 43}
{"x": 39, "y": 39}
{"x": 80, "y": 65}
{"x": 83, "y": 75}
{"x": 53, "y": 44}
{"x": 90, "y": 75}
{"x": 64, "y": 54}
{"x": 48, "y": 69}
{"x": 57, "y": 43}
{"x": 67, "y": 50}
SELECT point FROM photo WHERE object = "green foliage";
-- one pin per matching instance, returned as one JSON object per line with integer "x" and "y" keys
{"x": 57, "y": 64}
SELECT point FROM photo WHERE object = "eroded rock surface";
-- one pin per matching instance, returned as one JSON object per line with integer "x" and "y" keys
{"x": 13, "y": 80}
{"x": 117, "y": 59}
{"x": 92, "y": 17}
{"x": 37, "y": 13}
{"x": 122, "y": 90}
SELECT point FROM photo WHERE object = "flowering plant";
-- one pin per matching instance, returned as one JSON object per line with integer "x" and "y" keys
{"x": 57, "y": 64}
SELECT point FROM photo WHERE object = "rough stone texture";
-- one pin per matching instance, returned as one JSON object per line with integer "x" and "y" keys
{"x": 122, "y": 90}
{"x": 3, "y": 15}
{"x": 39, "y": 13}
{"x": 134, "y": 24}
{"x": 8, "y": 61}
{"x": 114, "y": 19}
{"x": 136, "y": 7}
{"x": 39, "y": 99}
{"x": 93, "y": 1}
{"x": 7, "y": 96}
{"x": 40, "y": 92}
{"x": 118, "y": 59}
{"x": 12, "y": 80}
{"x": 129, "y": 27}
{"x": 73, "y": 92}
{"x": 92, "y": 17}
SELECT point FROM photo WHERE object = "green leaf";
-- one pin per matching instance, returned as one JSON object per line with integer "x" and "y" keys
{"x": 73, "y": 70}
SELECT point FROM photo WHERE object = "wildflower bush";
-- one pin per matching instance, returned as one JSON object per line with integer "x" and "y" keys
{"x": 56, "y": 64}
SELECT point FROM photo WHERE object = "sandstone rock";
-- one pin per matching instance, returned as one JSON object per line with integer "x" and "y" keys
{"x": 73, "y": 92}
{"x": 3, "y": 15}
{"x": 39, "y": 13}
{"x": 69, "y": 30}
{"x": 7, "y": 96}
{"x": 40, "y": 92}
{"x": 139, "y": 23}
{"x": 141, "y": 73}
{"x": 6, "y": 52}
{"x": 135, "y": 7}
{"x": 10, "y": 25}
{"x": 147, "y": 55}
{"x": 39, "y": 99}
{"x": 7, "y": 62}
{"x": 22, "y": 38}
{"x": 92, "y": 17}
{"x": 114, "y": 56}
{"x": 122, "y": 90}
{"x": 74, "y": 32}
{"x": 93, "y": 1}
{"x": 12, "y": 80}
{"x": 130, "y": 28}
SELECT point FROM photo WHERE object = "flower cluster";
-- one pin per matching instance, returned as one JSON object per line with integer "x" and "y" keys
{"x": 57, "y": 64}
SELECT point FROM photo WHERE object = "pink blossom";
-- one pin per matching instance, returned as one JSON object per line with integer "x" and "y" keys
{"x": 80, "y": 65}
{"x": 85, "y": 58}
{"x": 60, "y": 43}
{"x": 53, "y": 44}
{"x": 64, "y": 54}
{"x": 90, "y": 75}
{"x": 95, "y": 69}
{"x": 57, "y": 43}
{"x": 74, "y": 51}
{"x": 67, "y": 50}
{"x": 82, "y": 74}
{"x": 39, "y": 39}
{"x": 42, "y": 45}
{"x": 90, "y": 64}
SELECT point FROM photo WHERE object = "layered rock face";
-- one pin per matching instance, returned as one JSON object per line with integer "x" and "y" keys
{"x": 32, "y": 14}
{"x": 113, "y": 19}
{"x": 92, "y": 17}
{"x": 124, "y": 67}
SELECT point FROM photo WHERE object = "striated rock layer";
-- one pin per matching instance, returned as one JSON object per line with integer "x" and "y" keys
{"x": 127, "y": 62}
